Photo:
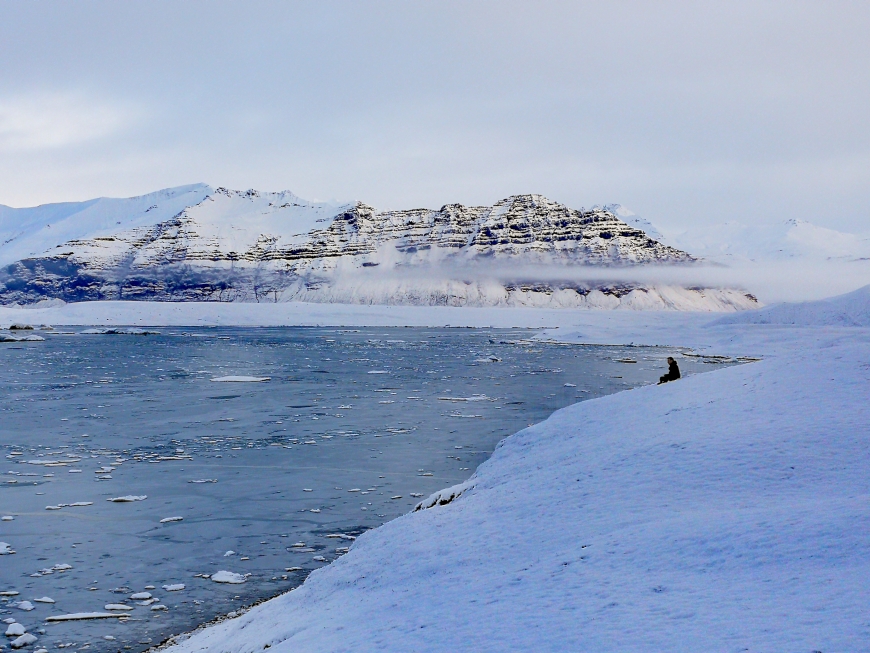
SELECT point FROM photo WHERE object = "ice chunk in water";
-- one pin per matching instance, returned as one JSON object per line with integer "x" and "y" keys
{"x": 129, "y": 498}
{"x": 242, "y": 379}
{"x": 140, "y": 596}
{"x": 229, "y": 553}
{"x": 15, "y": 630}
{"x": 174, "y": 588}
{"x": 7, "y": 518}
{"x": 27, "y": 606}
{"x": 228, "y": 577}
{"x": 44, "y": 599}
{"x": 166, "y": 520}
{"x": 5, "y": 549}
{"x": 117, "y": 606}
{"x": 25, "y": 640}
{"x": 78, "y": 616}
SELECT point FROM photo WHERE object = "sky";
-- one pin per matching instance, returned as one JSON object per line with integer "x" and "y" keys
{"x": 688, "y": 113}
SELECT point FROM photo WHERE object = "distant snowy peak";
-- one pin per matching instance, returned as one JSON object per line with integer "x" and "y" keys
{"x": 631, "y": 218}
{"x": 789, "y": 239}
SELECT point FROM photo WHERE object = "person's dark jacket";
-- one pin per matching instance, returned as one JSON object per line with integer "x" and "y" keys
{"x": 673, "y": 373}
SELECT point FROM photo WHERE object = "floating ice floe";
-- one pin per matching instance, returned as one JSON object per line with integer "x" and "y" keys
{"x": 242, "y": 379}
{"x": 471, "y": 398}
{"x": 31, "y": 338}
{"x": 293, "y": 569}
{"x": 117, "y": 606}
{"x": 319, "y": 559}
{"x": 25, "y": 640}
{"x": 44, "y": 599}
{"x": 377, "y": 372}
{"x": 140, "y": 596}
{"x": 229, "y": 577}
{"x": 79, "y": 616}
{"x": 229, "y": 553}
{"x": 27, "y": 606}
{"x": 129, "y": 498}
{"x": 570, "y": 385}
{"x": 5, "y": 549}
{"x": 119, "y": 332}
{"x": 177, "y": 587}
{"x": 159, "y": 606}
{"x": 77, "y": 504}
{"x": 9, "y": 593}
{"x": 7, "y": 518}
{"x": 204, "y": 480}
{"x": 15, "y": 630}
{"x": 167, "y": 520}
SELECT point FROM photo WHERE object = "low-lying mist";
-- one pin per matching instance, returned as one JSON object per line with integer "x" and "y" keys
{"x": 770, "y": 281}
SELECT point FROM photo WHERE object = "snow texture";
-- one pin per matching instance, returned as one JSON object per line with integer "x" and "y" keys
{"x": 79, "y": 616}
{"x": 257, "y": 247}
{"x": 726, "y": 511}
{"x": 15, "y": 630}
{"x": 241, "y": 379}
{"x": 25, "y": 640}
{"x": 228, "y": 577}
{"x": 850, "y": 310}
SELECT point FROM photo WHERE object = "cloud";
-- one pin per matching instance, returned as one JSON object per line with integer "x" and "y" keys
{"x": 44, "y": 121}
{"x": 771, "y": 281}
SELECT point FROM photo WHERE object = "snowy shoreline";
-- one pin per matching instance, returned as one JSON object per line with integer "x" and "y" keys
{"x": 725, "y": 512}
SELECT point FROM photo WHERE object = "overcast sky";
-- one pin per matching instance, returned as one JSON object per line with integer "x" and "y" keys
{"x": 686, "y": 112}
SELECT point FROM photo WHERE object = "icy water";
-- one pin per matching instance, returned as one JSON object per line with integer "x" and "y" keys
{"x": 270, "y": 479}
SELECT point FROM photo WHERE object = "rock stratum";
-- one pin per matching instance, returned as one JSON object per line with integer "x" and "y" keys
{"x": 196, "y": 243}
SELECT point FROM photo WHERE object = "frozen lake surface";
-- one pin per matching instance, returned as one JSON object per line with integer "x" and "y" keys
{"x": 150, "y": 463}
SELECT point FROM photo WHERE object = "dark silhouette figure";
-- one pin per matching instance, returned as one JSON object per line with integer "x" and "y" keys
{"x": 673, "y": 372}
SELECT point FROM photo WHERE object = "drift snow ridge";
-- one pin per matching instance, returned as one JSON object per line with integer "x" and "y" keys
{"x": 196, "y": 243}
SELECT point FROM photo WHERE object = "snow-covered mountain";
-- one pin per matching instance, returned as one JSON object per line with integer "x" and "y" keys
{"x": 737, "y": 242}
{"x": 199, "y": 243}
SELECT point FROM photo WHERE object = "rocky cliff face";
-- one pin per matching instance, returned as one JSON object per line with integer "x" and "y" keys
{"x": 250, "y": 246}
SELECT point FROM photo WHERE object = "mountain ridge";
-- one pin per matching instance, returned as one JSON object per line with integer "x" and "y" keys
{"x": 227, "y": 245}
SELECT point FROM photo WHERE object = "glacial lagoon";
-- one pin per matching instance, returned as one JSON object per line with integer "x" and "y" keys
{"x": 146, "y": 464}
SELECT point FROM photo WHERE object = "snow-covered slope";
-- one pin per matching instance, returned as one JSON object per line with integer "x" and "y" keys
{"x": 723, "y": 512}
{"x": 631, "y": 218}
{"x": 852, "y": 309}
{"x": 248, "y": 246}
{"x": 735, "y": 242}
{"x": 32, "y": 231}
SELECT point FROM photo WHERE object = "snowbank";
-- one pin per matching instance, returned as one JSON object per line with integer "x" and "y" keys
{"x": 726, "y": 511}
{"x": 850, "y": 310}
